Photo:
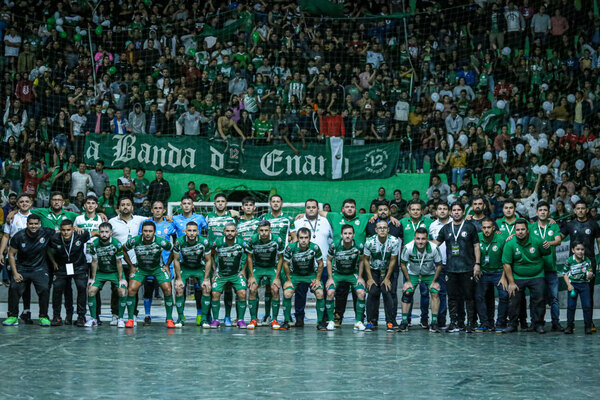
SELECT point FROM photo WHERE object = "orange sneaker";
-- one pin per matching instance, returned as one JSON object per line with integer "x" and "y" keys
{"x": 129, "y": 323}
{"x": 275, "y": 325}
{"x": 252, "y": 324}
{"x": 170, "y": 324}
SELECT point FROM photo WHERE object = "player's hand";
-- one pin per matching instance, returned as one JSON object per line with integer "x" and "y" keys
{"x": 2, "y": 261}
{"x": 132, "y": 272}
{"x": 277, "y": 283}
{"x": 78, "y": 230}
{"x": 17, "y": 277}
{"x": 468, "y": 217}
{"x": 395, "y": 222}
{"x": 314, "y": 284}
{"x": 252, "y": 282}
{"x": 123, "y": 283}
{"x": 168, "y": 218}
{"x": 299, "y": 216}
{"x": 509, "y": 237}
{"x": 407, "y": 285}
{"x": 205, "y": 284}
{"x": 546, "y": 244}
{"x": 288, "y": 284}
{"x": 503, "y": 283}
{"x": 570, "y": 287}
{"x": 329, "y": 283}
{"x": 103, "y": 217}
{"x": 551, "y": 221}
{"x": 373, "y": 218}
{"x": 179, "y": 284}
{"x": 91, "y": 281}
{"x": 477, "y": 272}
{"x": 361, "y": 281}
{"x": 56, "y": 267}
{"x": 512, "y": 289}
{"x": 387, "y": 284}
{"x": 435, "y": 286}
{"x": 370, "y": 282}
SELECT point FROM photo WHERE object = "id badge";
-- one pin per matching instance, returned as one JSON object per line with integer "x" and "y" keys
{"x": 455, "y": 250}
{"x": 70, "y": 270}
{"x": 487, "y": 259}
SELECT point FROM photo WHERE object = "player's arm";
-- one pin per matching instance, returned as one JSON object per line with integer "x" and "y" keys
{"x": 127, "y": 259}
{"x": 367, "y": 267}
{"x": 94, "y": 269}
{"x": 319, "y": 272}
{"x": 174, "y": 257}
{"x": 50, "y": 254}
{"x": 435, "y": 284}
{"x": 208, "y": 258}
{"x": 286, "y": 270}
{"x": 568, "y": 282}
{"x": 477, "y": 267}
{"x": 3, "y": 246}
{"x": 361, "y": 270}
{"x": 12, "y": 252}
{"x": 407, "y": 283}
{"x": 329, "y": 272}
{"x": 293, "y": 236}
{"x": 277, "y": 280}
{"x": 122, "y": 280}
{"x": 387, "y": 281}
{"x": 250, "y": 270}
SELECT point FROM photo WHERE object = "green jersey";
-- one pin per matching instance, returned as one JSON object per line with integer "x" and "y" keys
{"x": 506, "y": 228}
{"x": 264, "y": 254}
{"x": 52, "y": 220}
{"x": 149, "y": 255}
{"x": 303, "y": 262}
{"x": 141, "y": 186}
{"x": 491, "y": 253}
{"x": 577, "y": 270}
{"x": 106, "y": 254}
{"x": 359, "y": 222}
{"x": 548, "y": 233}
{"x": 345, "y": 260}
{"x": 216, "y": 225}
{"x": 379, "y": 253}
{"x": 280, "y": 225}
{"x": 409, "y": 227}
{"x": 525, "y": 258}
{"x": 262, "y": 129}
{"x": 229, "y": 257}
{"x": 192, "y": 254}
{"x": 247, "y": 228}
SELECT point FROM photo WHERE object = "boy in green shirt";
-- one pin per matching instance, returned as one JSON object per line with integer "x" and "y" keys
{"x": 577, "y": 277}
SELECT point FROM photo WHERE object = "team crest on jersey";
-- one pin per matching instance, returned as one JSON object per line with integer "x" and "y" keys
{"x": 532, "y": 250}
{"x": 463, "y": 234}
{"x": 495, "y": 248}
{"x": 588, "y": 231}
{"x": 551, "y": 233}
{"x": 42, "y": 240}
{"x": 357, "y": 222}
{"x": 78, "y": 243}
{"x": 23, "y": 245}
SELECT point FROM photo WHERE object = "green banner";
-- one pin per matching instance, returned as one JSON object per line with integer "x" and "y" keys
{"x": 190, "y": 154}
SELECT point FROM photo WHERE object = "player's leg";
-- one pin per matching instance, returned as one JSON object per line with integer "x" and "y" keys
{"x": 58, "y": 287}
{"x": 407, "y": 300}
{"x": 26, "y": 314}
{"x": 163, "y": 279}
{"x": 388, "y": 307}
{"x": 240, "y": 286}
{"x": 318, "y": 291}
{"x": 424, "y": 305}
{"x": 228, "y": 303}
{"x": 68, "y": 293}
{"x": 135, "y": 282}
{"x": 39, "y": 278}
{"x": 149, "y": 285}
{"x": 81, "y": 286}
{"x": 92, "y": 302}
{"x": 301, "y": 292}
{"x": 360, "y": 308}
{"x": 435, "y": 305}
{"x": 180, "y": 299}
{"x": 268, "y": 304}
{"x": 15, "y": 292}
{"x": 253, "y": 301}
{"x": 341, "y": 298}
{"x": 330, "y": 300}
{"x": 275, "y": 304}
{"x": 215, "y": 304}
{"x": 482, "y": 286}
{"x": 288, "y": 292}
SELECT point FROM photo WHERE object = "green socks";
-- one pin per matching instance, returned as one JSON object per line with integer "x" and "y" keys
{"x": 405, "y": 317}
{"x": 360, "y": 310}
{"x": 240, "y": 308}
{"x": 320, "y": 309}
{"x": 253, "y": 305}
{"x": 205, "y": 306}
{"x": 434, "y": 318}
{"x": 92, "y": 306}
{"x": 169, "y": 306}
{"x": 122, "y": 305}
{"x": 180, "y": 304}
{"x": 275, "y": 304}
{"x": 287, "y": 309}
{"x": 215, "y": 306}
{"x": 329, "y": 307}
{"x": 131, "y": 306}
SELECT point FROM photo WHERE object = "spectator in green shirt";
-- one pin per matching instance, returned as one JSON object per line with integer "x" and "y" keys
{"x": 262, "y": 128}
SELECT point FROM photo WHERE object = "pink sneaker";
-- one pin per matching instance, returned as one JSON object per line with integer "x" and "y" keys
{"x": 241, "y": 324}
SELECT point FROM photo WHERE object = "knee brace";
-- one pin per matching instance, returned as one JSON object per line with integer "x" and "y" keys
{"x": 407, "y": 296}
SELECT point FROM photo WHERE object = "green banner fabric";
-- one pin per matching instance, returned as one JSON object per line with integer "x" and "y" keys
{"x": 190, "y": 154}
{"x": 322, "y": 7}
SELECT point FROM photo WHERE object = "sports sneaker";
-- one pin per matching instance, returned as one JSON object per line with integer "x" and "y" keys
{"x": 11, "y": 321}
{"x": 403, "y": 327}
{"x": 198, "y": 320}
{"x": 214, "y": 324}
{"x": 206, "y": 324}
{"x": 147, "y": 320}
{"x": 390, "y": 327}
{"x": 557, "y": 327}
{"x": 321, "y": 326}
{"x": 359, "y": 326}
{"x": 114, "y": 321}
{"x": 179, "y": 324}
{"x": 424, "y": 323}
{"x": 453, "y": 328}
{"x": 434, "y": 328}
{"x": 568, "y": 330}
{"x": 129, "y": 324}
{"x": 285, "y": 326}
{"x": 45, "y": 322}
{"x": 337, "y": 319}
{"x": 252, "y": 324}
{"x": 69, "y": 319}
{"x": 369, "y": 327}
{"x": 26, "y": 317}
{"x": 481, "y": 328}
{"x": 56, "y": 321}
{"x": 170, "y": 324}
{"x": 80, "y": 323}
{"x": 91, "y": 322}
{"x": 266, "y": 320}
{"x": 331, "y": 326}
{"x": 227, "y": 322}
{"x": 121, "y": 323}
{"x": 275, "y": 325}
{"x": 469, "y": 329}
{"x": 241, "y": 324}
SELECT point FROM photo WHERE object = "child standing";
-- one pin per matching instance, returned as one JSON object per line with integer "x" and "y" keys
{"x": 579, "y": 272}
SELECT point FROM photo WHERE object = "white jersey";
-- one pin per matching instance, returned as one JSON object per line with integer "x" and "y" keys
{"x": 88, "y": 225}
{"x": 125, "y": 230}
{"x": 434, "y": 230}
{"x": 320, "y": 232}
{"x": 18, "y": 223}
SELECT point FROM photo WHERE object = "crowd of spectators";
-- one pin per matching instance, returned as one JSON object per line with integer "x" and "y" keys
{"x": 475, "y": 88}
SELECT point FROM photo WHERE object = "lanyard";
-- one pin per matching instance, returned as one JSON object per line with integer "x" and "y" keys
{"x": 422, "y": 258}
{"x": 487, "y": 247}
{"x": 313, "y": 228}
{"x": 542, "y": 232}
{"x": 457, "y": 233}
{"x": 70, "y": 246}
{"x": 384, "y": 249}
{"x": 508, "y": 228}
{"x": 413, "y": 225}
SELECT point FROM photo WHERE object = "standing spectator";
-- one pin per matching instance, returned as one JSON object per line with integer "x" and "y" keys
{"x": 541, "y": 25}
{"x": 332, "y": 125}
{"x": 190, "y": 121}
{"x": 12, "y": 44}
{"x": 97, "y": 122}
{"x": 137, "y": 120}
{"x": 515, "y": 26}
{"x": 142, "y": 186}
{"x": 80, "y": 182}
{"x": 155, "y": 121}
{"x": 497, "y": 27}
{"x": 458, "y": 163}
{"x": 454, "y": 122}
{"x": 100, "y": 178}
{"x": 159, "y": 189}
{"x": 126, "y": 184}
{"x": 118, "y": 125}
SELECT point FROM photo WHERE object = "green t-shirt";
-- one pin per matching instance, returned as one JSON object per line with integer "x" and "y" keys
{"x": 229, "y": 258}
{"x": 12, "y": 170}
{"x": 106, "y": 254}
{"x": 261, "y": 129}
{"x": 303, "y": 262}
{"x": 247, "y": 228}
{"x": 409, "y": 227}
{"x": 52, "y": 220}
{"x": 577, "y": 270}
{"x": 345, "y": 261}
{"x": 264, "y": 254}
{"x": 141, "y": 186}
{"x": 192, "y": 254}
{"x": 108, "y": 207}
{"x": 491, "y": 253}
{"x": 506, "y": 228}
{"x": 551, "y": 231}
{"x": 380, "y": 254}
{"x": 525, "y": 258}
{"x": 280, "y": 225}
{"x": 216, "y": 225}
{"x": 149, "y": 255}
{"x": 359, "y": 222}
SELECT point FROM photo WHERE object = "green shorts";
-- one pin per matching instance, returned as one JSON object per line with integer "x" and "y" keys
{"x": 426, "y": 279}
{"x": 159, "y": 274}
{"x": 350, "y": 278}
{"x": 264, "y": 276}
{"x": 189, "y": 273}
{"x": 237, "y": 281}
{"x": 103, "y": 277}
{"x": 303, "y": 279}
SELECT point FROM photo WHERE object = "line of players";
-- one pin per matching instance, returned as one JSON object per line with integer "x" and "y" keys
{"x": 243, "y": 252}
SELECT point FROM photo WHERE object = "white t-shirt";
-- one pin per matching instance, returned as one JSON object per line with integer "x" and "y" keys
{"x": 401, "y": 111}
{"x": 78, "y": 124}
{"x": 10, "y": 51}
{"x": 124, "y": 230}
{"x": 80, "y": 183}
{"x": 434, "y": 230}
{"x": 88, "y": 225}
{"x": 18, "y": 224}
{"x": 320, "y": 232}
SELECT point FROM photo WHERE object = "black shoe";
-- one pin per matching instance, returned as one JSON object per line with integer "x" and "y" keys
{"x": 469, "y": 329}
{"x": 403, "y": 327}
{"x": 284, "y": 327}
{"x": 588, "y": 330}
{"x": 69, "y": 319}
{"x": 300, "y": 323}
{"x": 321, "y": 326}
{"x": 540, "y": 329}
{"x": 98, "y": 321}
{"x": 80, "y": 321}
{"x": 526, "y": 328}
{"x": 453, "y": 328}
{"x": 510, "y": 329}
{"x": 337, "y": 319}
{"x": 434, "y": 328}
{"x": 568, "y": 330}
{"x": 56, "y": 321}
{"x": 148, "y": 321}
{"x": 6, "y": 282}
{"x": 26, "y": 317}
{"x": 424, "y": 323}
{"x": 557, "y": 327}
